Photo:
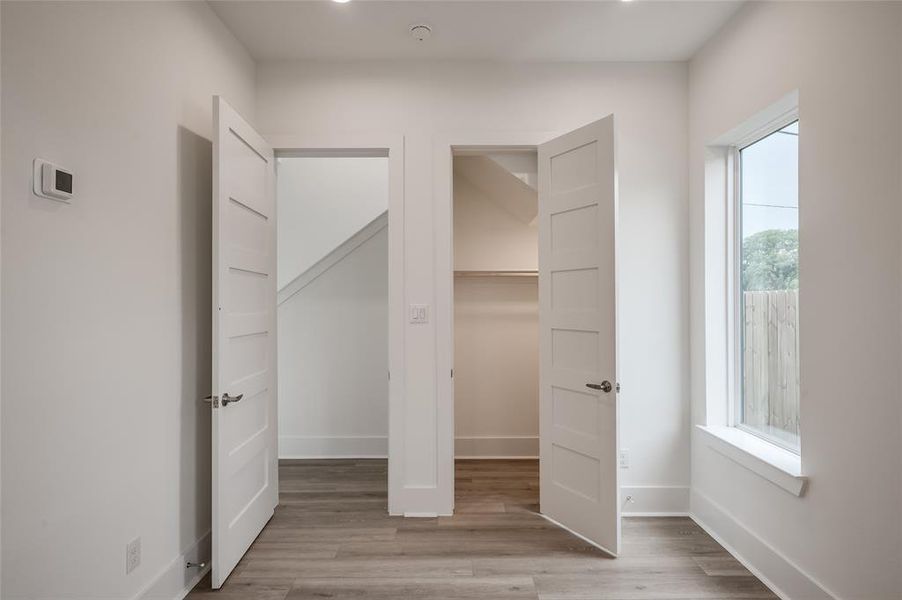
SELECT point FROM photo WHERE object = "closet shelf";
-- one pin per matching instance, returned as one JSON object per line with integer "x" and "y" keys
{"x": 496, "y": 273}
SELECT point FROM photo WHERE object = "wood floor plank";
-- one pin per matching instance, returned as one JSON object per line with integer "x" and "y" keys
{"x": 241, "y": 590}
{"x": 496, "y": 521}
{"x": 586, "y": 564}
{"x": 644, "y": 586}
{"x": 332, "y": 537}
{"x": 261, "y": 550}
{"x": 472, "y": 588}
{"x": 477, "y": 550}
{"x": 721, "y": 566}
{"x": 327, "y": 534}
{"x": 398, "y": 567}
{"x": 480, "y": 507}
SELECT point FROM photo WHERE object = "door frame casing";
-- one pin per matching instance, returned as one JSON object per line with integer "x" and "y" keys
{"x": 372, "y": 144}
{"x": 444, "y": 146}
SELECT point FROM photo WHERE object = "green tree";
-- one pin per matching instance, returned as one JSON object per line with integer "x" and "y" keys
{"x": 770, "y": 260}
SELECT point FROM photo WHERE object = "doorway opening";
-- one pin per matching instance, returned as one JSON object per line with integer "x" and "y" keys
{"x": 575, "y": 230}
{"x": 496, "y": 330}
{"x": 332, "y": 327}
{"x": 325, "y": 324}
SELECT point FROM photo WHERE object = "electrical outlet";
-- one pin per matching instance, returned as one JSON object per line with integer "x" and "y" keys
{"x": 624, "y": 459}
{"x": 132, "y": 555}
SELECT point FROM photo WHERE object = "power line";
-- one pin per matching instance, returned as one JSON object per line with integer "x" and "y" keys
{"x": 769, "y": 205}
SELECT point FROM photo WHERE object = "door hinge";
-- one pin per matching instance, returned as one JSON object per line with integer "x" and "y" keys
{"x": 618, "y": 387}
{"x": 452, "y": 373}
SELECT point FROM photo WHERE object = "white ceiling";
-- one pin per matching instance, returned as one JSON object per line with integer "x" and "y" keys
{"x": 475, "y": 30}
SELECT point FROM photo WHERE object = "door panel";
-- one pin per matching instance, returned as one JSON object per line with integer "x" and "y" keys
{"x": 245, "y": 436}
{"x": 578, "y": 337}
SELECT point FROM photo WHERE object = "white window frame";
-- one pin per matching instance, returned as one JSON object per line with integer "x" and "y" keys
{"x": 718, "y": 432}
{"x": 734, "y": 280}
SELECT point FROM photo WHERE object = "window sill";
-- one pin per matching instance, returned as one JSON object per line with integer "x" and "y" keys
{"x": 780, "y": 467}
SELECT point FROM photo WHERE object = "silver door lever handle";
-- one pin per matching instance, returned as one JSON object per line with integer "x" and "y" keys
{"x": 226, "y": 399}
{"x": 605, "y": 386}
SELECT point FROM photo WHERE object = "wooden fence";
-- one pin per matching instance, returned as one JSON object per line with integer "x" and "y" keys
{"x": 771, "y": 359}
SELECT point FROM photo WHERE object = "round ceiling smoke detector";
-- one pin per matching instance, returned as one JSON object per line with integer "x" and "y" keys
{"x": 421, "y": 32}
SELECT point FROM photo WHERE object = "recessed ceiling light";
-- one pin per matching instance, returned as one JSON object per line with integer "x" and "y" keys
{"x": 341, "y": 1}
{"x": 421, "y": 32}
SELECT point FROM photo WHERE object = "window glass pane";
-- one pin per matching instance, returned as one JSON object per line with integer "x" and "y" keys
{"x": 769, "y": 286}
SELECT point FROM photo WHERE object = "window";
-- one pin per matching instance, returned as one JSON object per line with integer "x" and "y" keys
{"x": 766, "y": 283}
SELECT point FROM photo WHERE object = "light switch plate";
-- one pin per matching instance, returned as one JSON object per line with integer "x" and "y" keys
{"x": 419, "y": 313}
{"x": 624, "y": 458}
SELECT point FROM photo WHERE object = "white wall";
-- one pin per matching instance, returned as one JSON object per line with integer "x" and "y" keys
{"x": 423, "y": 100}
{"x": 496, "y": 329}
{"x": 333, "y": 357}
{"x": 106, "y": 301}
{"x": 496, "y": 367}
{"x": 323, "y": 202}
{"x": 844, "y": 536}
{"x": 487, "y": 237}
{"x": 1, "y": 312}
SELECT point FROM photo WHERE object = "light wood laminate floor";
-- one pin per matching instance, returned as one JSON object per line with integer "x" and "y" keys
{"x": 331, "y": 537}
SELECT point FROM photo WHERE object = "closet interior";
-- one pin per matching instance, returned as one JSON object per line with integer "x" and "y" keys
{"x": 496, "y": 343}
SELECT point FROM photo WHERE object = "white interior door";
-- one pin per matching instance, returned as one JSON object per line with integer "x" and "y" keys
{"x": 578, "y": 338}
{"x": 245, "y": 435}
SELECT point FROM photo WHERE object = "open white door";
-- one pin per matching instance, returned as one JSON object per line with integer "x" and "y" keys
{"x": 245, "y": 435}
{"x": 577, "y": 332}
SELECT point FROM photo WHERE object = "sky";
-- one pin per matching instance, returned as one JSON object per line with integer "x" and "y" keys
{"x": 770, "y": 182}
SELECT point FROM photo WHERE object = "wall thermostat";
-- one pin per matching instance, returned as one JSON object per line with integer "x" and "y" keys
{"x": 52, "y": 181}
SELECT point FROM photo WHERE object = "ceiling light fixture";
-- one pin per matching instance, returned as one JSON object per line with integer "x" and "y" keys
{"x": 421, "y": 32}
{"x": 341, "y": 1}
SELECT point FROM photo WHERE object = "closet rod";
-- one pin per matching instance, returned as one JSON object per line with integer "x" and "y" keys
{"x": 496, "y": 273}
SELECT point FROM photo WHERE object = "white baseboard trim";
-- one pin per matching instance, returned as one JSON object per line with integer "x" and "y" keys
{"x": 486, "y": 447}
{"x": 175, "y": 580}
{"x": 786, "y": 579}
{"x": 654, "y": 501}
{"x": 334, "y": 446}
